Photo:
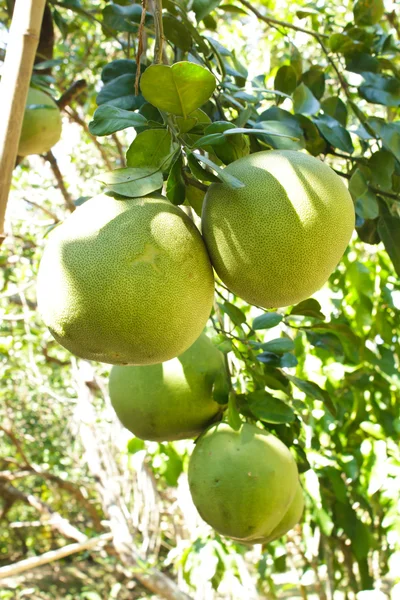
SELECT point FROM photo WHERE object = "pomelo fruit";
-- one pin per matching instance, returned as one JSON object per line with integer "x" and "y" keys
{"x": 172, "y": 400}
{"x": 242, "y": 482}
{"x": 41, "y": 127}
{"x": 126, "y": 281}
{"x": 276, "y": 241}
{"x": 291, "y": 518}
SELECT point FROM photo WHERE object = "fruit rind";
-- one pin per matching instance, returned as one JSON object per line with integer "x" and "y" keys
{"x": 242, "y": 482}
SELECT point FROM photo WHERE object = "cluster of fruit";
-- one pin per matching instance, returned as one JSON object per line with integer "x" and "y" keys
{"x": 130, "y": 282}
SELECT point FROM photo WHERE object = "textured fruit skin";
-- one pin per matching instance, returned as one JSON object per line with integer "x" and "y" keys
{"x": 41, "y": 127}
{"x": 172, "y": 400}
{"x": 276, "y": 241}
{"x": 291, "y": 518}
{"x": 242, "y": 482}
{"x": 126, "y": 281}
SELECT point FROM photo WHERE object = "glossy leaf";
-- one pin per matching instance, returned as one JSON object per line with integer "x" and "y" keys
{"x": 151, "y": 148}
{"x": 175, "y": 189}
{"x": 304, "y": 102}
{"x": 267, "y": 321}
{"x": 132, "y": 183}
{"x": 269, "y": 409}
{"x": 109, "y": 119}
{"x": 179, "y": 89}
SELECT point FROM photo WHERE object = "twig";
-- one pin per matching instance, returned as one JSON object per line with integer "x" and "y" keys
{"x": 16, "y": 443}
{"x": 374, "y": 189}
{"x": 71, "y": 93}
{"x": 119, "y": 148}
{"x": 272, "y": 21}
{"x": 49, "y": 156}
{"x": 44, "y": 209}
{"x": 37, "y": 561}
{"x": 140, "y": 45}
{"x": 16, "y": 74}
{"x": 75, "y": 116}
{"x": 53, "y": 518}
{"x": 159, "y": 32}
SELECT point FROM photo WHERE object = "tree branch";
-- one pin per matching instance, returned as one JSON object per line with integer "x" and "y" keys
{"x": 71, "y": 93}
{"x": 53, "y": 518}
{"x": 272, "y": 21}
{"x": 49, "y": 156}
{"x": 37, "y": 561}
{"x": 75, "y": 116}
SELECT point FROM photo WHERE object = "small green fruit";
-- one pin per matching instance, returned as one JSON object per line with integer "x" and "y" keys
{"x": 172, "y": 400}
{"x": 242, "y": 482}
{"x": 41, "y": 127}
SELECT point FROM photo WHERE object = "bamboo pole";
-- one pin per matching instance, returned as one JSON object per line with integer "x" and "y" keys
{"x": 17, "y": 70}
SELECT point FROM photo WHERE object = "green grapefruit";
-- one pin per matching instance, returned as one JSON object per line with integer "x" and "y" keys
{"x": 41, "y": 127}
{"x": 172, "y": 400}
{"x": 126, "y": 281}
{"x": 276, "y": 241}
{"x": 242, "y": 482}
{"x": 291, "y": 518}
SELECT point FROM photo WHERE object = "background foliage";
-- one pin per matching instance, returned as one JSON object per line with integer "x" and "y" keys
{"x": 324, "y": 375}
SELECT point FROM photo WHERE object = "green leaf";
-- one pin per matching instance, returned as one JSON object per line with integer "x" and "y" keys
{"x": 234, "y": 418}
{"x": 379, "y": 89}
{"x": 120, "y": 92}
{"x": 382, "y": 166}
{"x": 389, "y": 232}
{"x": 197, "y": 117}
{"x": 315, "y": 143}
{"x": 269, "y": 409}
{"x": 198, "y": 171}
{"x": 151, "y": 148}
{"x": 195, "y": 198}
{"x": 124, "y": 18}
{"x": 135, "y": 445}
{"x": 280, "y": 121}
{"x": 314, "y": 80}
{"x": 179, "y": 89}
{"x": 368, "y": 12}
{"x": 334, "y": 133}
{"x": 121, "y": 66}
{"x": 349, "y": 341}
{"x": 267, "y": 321}
{"x": 365, "y": 201}
{"x": 309, "y": 308}
{"x": 361, "y": 62}
{"x": 285, "y": 80}
{"x": 312, "y": 390}
{"x": 390, "y": 134}
{"x": 213, "y": 139}
{"x": 227, "y": 178}
{"x": 176, "y": 32}
{"x": 133, "y": 183}
{"x": 279, "y": 345}
{"x": 234, "y": 313}
{"x": 220, "y": 389}
{"x": 109, "y": 119}
{"x": 336, "y": 108}
{"x": 304, "y": 102}
{"x": 202, "y": 8}
{"x": 175, "y": 189}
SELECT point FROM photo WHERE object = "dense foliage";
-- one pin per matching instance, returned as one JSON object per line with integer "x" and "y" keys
{"x": 322, "y": 375}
